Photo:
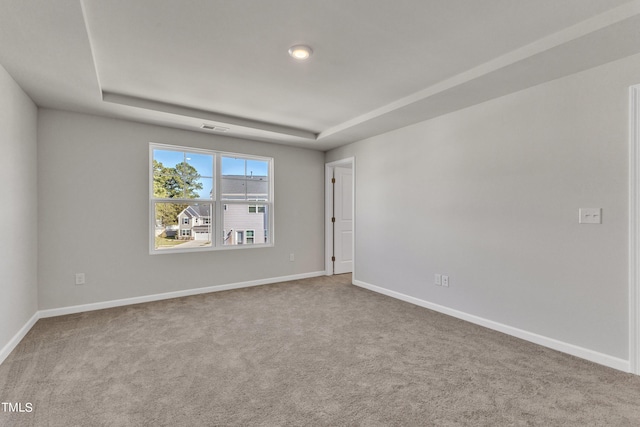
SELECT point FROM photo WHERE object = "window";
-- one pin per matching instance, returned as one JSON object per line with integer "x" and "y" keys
{"x": 256, "y": 209}
{"x": 194, "y": 192}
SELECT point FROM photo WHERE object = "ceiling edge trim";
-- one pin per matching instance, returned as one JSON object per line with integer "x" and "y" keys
{"x": 560, "y": 38}
{"x": 83, "y": 9}
{"x": 224, "y": 119}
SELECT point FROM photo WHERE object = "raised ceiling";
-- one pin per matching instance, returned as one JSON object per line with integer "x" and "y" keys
{"x": 377, "y": 64}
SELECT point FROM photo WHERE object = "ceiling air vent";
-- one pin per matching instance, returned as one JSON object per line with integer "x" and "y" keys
{"x": 214, "y": 128}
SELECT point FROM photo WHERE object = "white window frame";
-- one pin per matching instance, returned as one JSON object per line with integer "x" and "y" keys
{"x": 217, "y": 203}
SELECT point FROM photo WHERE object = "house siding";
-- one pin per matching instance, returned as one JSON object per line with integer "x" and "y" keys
{"x": 237, "y": 217}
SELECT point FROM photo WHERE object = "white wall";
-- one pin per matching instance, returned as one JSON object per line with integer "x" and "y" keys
{"x": 489, "y": 195}
{"x": 94, "y": 214}
{"x": 18, "y": 211}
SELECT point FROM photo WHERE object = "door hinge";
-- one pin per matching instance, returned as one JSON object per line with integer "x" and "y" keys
{"x": 333, "y": 180}
{"x": 333, "y": 259}
{"x": 333, "y": 219}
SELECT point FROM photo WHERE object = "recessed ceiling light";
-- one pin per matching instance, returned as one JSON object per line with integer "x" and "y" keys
{"x": 300, "y": 52}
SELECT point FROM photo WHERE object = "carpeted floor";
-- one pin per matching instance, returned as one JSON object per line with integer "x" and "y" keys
{"x": 310, "y": 352}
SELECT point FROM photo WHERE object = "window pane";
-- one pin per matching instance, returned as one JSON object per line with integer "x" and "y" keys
{"x": 199, "y": 176}
{"x": 233, "y": 179}
{"x": 183, "y": 175}
{"x": 167, "y": 182}
{"x": 180, "y": 225}
{"x": 250, "y": 225}
{"x": 245, "y": 179}
{"x": 203, "y": 163}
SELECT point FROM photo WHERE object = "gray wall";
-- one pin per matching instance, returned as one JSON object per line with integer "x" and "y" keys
{"x": 490, "y": 194}
{"x": 94, "y": 213}
{"x": 18, "y": 214}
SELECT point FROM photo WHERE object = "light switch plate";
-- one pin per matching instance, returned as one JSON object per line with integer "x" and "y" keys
{"x": 590, "y": 216}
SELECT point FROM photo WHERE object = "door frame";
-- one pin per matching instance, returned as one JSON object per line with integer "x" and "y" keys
{"x": 328, "y": 203}
{"x": 634, "y": 229}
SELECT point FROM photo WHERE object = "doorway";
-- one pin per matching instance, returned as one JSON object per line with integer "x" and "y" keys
{"x": 340, "y": 217}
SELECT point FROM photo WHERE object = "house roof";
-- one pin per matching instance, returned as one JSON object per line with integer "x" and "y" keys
{"x": 197, "y": 211}
{"x": 236, "y": 187}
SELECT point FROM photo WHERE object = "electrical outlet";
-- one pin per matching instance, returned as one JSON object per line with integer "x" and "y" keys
{"x": 445, "y": 281}
{"x": 590, "y": 215}
{"x": 292, "y": 257}
{"x": 80, "y": 279}
{"x": 438, "y": 279}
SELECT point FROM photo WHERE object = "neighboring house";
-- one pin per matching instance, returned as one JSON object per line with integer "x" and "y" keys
{"x": 246, "y": 223}
{"x": 194, "y": 223}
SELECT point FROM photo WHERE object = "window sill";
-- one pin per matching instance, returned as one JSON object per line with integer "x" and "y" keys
{"x": 209, "y": 249}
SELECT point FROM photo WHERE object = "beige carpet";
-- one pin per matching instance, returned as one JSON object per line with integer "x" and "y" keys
{"x": 309, "y": 352}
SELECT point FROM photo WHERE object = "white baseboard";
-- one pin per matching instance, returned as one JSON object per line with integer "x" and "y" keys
{"x": 593, "y": 356}
{"x": 583, "y": 353}
{"x": 168, "y": 295}
{"x": 7, "y": 349}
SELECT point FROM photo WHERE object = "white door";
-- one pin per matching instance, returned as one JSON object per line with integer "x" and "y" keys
{"x": 343, "y": 225}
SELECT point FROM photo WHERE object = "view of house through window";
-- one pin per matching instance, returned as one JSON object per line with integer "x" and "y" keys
{"x": 194, "y": 192}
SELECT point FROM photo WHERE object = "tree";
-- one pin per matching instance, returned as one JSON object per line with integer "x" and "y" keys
{"x": 182, "y": 181}
{"x": 159, "y": 180}
{"x": 178, "y": 182}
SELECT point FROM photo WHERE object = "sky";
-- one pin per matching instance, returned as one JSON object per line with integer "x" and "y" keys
{"x": 204, "y": 163}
